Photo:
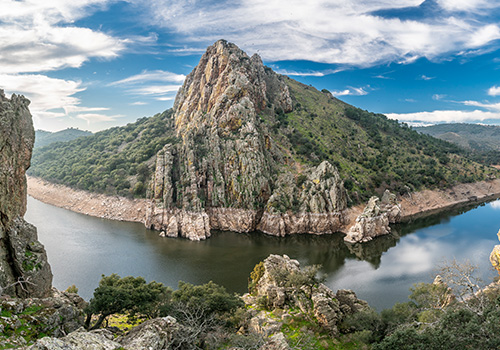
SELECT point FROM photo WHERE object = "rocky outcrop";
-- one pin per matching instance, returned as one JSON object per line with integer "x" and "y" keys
{"x": 226, "y": 171}
{"x": 30, "y": 318}
{"x": 275, "y": 283}
{"x": 155, "y": 334}
{"x": 495, "y": 255}
{"x": 24, "y": 270}
{"x": 375, "y": 219}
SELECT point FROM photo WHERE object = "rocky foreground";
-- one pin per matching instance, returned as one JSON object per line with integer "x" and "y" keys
{"x": 282, "y": 295}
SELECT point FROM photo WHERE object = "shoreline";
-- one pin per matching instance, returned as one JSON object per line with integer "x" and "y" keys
{"x": 83, "y": 202}
{"x": 414, "y": 205}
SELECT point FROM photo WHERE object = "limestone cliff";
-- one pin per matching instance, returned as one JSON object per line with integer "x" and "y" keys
{"x": 24, "y": 270}
{"x": 227, "y": 172}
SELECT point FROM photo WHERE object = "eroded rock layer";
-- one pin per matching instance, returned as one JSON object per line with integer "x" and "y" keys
{"x": 226, "y": 172}
{"x": 24, "y": 270}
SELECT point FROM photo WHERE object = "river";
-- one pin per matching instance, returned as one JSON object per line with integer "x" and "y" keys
{"x": 81, "y": 248}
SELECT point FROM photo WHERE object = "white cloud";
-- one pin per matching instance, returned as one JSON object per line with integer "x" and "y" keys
{"x": 466, "y": 5}
{"x": 495, "y": 204}
{"x": 353, "y": 91}
{"x": 489, "y": 106}
{"x": 438, "y": 97}
{"x": 448, "y": 116}
{"x": 146, "y": 84}
{"x": 45, "y": 93}
{"x": 494, "y": 91}
{"x": 91, "y": 118}
{"x": 37, "y": 36}
{"x": 138, "y": 103}
{"x": 339, "y": 31}
{"x": 147, "y": 76}
{"x": 425, "y": 77}
{"x": 52, "y": 98}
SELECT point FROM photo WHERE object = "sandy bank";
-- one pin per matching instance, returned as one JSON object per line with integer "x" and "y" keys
{"x": 428, "y": 202}
{"x": 98, "y": 205}
{"x": 413, "y": 205}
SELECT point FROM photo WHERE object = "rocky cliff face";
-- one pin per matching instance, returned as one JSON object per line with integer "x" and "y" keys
{"x": 24, "y": 270}
{"x": 227, "y": 172}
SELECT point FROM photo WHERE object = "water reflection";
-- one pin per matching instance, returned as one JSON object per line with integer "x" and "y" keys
{"x": 81, "y": 248}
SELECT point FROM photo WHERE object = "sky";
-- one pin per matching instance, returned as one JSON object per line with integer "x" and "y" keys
{"x": 95, "y": 64}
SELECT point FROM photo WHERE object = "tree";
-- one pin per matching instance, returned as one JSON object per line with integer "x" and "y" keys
{"x": 127, "y": 294}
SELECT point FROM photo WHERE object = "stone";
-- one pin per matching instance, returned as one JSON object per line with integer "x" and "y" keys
{"x": 375, "y": 219}
{"x": 495, "y": 256}
{"x": 78, "y": 340}
{"x": 328, "y": 308}
{"x": 24, "y": 270}
{"x": 155, "y": 334}
{"x": 276, "y": 342}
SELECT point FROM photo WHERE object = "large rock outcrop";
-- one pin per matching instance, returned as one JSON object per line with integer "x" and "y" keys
{"x": 495, "y": 255}
{"x": 24, "y": 270}
{"x": 375, "y": 219}
{"x": 275, "y": 282}
{"x": 226, "y": 171}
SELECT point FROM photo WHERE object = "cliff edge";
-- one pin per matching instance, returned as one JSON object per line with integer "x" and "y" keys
{"x": 24, "y": 270}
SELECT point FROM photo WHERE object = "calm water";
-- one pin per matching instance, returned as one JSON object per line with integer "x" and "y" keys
{"x": 82, "y": 248}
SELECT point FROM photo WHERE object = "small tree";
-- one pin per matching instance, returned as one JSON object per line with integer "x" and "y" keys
{"x": 127, "y": 294}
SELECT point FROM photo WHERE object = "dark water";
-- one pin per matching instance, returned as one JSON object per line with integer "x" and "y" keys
{"x": 82, "y": 248}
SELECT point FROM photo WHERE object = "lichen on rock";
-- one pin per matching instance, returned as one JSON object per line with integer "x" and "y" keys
{"x": 24, "y": 270}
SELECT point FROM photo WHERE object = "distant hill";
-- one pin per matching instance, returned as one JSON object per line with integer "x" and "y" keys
{"x": 44, "y": 138}
{"x": 253, "y": 139}
{"x": 483, "y": 140}
{"x": 471, "y": 136}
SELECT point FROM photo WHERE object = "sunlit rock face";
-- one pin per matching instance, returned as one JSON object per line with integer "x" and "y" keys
{"x": 226, "y": 171}
{"x": 24, "y": 270}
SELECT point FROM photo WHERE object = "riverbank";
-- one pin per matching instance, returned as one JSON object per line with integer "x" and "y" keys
{"x": 93, "y": 204}
{"x": 414, "y": 205}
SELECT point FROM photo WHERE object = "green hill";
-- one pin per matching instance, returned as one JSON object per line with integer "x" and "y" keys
{"x": 482, "y": 140}
{"x": 44, "y": 138}
{"x": 370, "y": 151}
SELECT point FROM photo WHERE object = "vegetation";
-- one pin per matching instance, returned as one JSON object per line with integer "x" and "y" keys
{"x": 117, "y": 161}
{"x": 124, "y": 295}
{"x": 44, "y": 138}
{"x": 482, "y": 141}
{"x": 371, "y": 151}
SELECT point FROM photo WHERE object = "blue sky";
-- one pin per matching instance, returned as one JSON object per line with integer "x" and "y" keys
{"x": 94, "y": 64}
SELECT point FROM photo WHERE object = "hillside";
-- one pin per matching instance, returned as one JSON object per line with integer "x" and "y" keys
{"x": 482, "y": 140}
{"x": 44, "y": 138}
{"x": 245, "y": 148}
{"x": 472, "y": 136}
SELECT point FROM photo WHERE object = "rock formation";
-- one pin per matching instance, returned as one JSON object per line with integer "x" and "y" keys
{"x": 24, "y": 270}
{"x": 273, "y": 282}
{"x": 226, "y": 171}
{"x": 375, "y": 219}
{"x": 495, "y": 255}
